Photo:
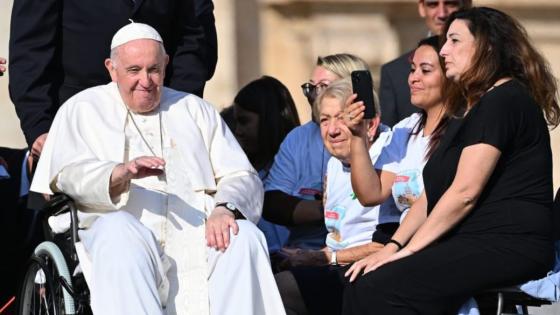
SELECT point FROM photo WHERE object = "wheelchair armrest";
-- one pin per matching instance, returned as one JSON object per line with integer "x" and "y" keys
{"x": 59, "y": 203}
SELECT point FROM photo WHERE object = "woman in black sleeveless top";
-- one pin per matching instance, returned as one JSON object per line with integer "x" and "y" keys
{"x": 484, "y": 218}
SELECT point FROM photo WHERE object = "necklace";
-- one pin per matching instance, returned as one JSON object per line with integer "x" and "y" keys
{"x": 142, "y": 135}
{"x": 163, "y": 228}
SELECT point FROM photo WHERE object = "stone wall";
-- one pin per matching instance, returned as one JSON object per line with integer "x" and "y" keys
{"x": 282, "y": 38}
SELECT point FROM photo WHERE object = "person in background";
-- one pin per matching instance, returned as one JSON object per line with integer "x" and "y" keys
{"x": 484, "y": 219}
{"x": 294, "y": 185}
{"x": 2, "y": 66}
{"x": 204, "y": 13}
{"x": 227, "y": 115}
{"x": 57, "y": 50}
{"x": 14, "y": 187}
{"x": 394, "y": 93}
{"x": 264, "y": 113}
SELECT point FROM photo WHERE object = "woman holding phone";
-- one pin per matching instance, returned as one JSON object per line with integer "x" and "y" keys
{"x": 488, "y": 184}
{"x": 413, "y": 141}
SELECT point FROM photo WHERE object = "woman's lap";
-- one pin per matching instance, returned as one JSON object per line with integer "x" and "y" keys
{"x": 440, "y": 278}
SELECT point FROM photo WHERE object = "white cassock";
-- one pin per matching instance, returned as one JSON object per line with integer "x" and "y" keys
{"x": 90, "y": 135}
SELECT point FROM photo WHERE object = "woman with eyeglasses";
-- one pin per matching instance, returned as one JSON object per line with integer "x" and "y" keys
{"x": 313, "y": 283}
{"x": 294, "y": 185}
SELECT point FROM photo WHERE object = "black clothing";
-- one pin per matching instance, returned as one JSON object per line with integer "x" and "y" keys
{"x": 394, "y": 93}
{"x": 11, "y": 206}
{"x": 440, "y": 278}
{"x": 58, "y": 48}
{"x": 204, "y": 10}
{"x": 322, "y": 286}
{"x": 518, "y": 195}
{"x": 504, "y": 240}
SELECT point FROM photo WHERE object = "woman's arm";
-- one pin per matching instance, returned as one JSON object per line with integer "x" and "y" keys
{"x": 349, "y": 255}
{"x": 281, "y": 208}
{"x": 370, "y": 186}
{"x": 476, "y": 165}
{"x": 414, "y": 219}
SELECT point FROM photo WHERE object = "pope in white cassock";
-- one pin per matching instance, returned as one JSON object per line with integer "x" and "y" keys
{"x": 167, "y": 198}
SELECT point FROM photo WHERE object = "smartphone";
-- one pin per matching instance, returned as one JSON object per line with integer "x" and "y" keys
{"x": 362, "y": 84}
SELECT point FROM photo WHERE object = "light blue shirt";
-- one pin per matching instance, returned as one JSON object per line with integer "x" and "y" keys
{"x": 276, "y": 235}
{"x": 547, "y": 288}
{"x": 298, "y": 170}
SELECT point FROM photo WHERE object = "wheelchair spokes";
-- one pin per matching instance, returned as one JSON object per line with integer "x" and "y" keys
{"x": 41, "y": 294}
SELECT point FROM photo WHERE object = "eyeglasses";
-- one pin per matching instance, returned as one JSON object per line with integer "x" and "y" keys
{"x": 311, "y": 91}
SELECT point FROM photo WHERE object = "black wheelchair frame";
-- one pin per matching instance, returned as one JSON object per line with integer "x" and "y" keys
{"x": 49, "y": 286}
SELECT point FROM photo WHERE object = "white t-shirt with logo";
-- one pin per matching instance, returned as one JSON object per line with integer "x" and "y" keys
{"x": 407, "y": 152}
{"x": 348, "y": 222}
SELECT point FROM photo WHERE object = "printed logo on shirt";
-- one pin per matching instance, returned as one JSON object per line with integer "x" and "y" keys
{"x": 402, "y": 179}
{"x": 309, "y": 192}
{"x": 332, "y": 215}
{"x": 407, "y": 188}
{"x": 333, "y": 218}
{"x": 315, "y": 194}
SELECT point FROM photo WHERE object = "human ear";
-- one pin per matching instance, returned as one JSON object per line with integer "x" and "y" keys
{"x": 373, "y": 126}
{"x": 109, "y": 64}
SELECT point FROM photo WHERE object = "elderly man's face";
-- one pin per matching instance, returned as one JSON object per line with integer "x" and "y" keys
{"x": 139, "y": 69}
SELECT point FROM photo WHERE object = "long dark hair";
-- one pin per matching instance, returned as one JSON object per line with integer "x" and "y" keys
{"x": 435, "y": 138}
{"x": 271, "y": 100}
{"x": 503, "y": 50}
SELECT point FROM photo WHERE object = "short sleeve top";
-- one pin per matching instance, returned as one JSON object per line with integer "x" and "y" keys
{"x": 518, "y": 195}
{"x": 405, "y": 157}
{"x": 298, "y": 170}
{"x": 300, "y": 164}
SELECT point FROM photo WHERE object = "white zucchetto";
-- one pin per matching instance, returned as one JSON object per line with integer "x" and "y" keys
{"x": 134, "y": 31}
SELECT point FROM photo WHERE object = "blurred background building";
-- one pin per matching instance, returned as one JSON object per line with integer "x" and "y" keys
{"x": 282, "y": 38}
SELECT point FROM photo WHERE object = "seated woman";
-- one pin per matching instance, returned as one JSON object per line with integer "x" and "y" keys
{"x": 414, "y": 138}
{"x": 294, "y": 187}
{"x": 484, "y": 218}
{"x": 350, "y": 225}
{"x": 264, "y": 113}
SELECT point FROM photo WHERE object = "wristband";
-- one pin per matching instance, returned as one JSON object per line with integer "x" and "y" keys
{"x": 399, "y": 245}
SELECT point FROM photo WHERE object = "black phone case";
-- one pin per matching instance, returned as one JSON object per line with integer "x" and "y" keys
{"x": 362, "y": 84}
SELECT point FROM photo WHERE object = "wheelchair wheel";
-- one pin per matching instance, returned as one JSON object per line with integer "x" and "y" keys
{"x": 42, "y": 291}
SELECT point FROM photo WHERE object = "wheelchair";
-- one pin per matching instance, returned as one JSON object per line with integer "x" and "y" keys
{"x": 51, "y": 284}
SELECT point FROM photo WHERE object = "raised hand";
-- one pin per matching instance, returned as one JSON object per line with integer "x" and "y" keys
{"x": 353, "y": 116}
{"x": 139, "y": 167}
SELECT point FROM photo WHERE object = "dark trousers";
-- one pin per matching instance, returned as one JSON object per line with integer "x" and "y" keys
{"x": 439, "y": 279}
